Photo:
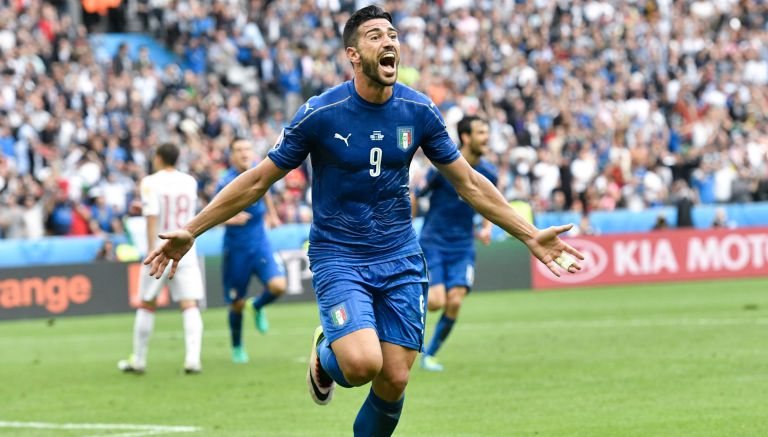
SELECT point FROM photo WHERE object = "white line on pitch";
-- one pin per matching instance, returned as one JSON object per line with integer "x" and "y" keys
{"x": 137, "y": 430}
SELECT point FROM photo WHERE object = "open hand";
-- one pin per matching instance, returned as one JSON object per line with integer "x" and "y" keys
{"x": 547, "y": 246}
{"x": 176, "y": 244}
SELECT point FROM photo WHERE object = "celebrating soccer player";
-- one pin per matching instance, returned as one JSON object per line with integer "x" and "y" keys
{"x": 369, "y": 273}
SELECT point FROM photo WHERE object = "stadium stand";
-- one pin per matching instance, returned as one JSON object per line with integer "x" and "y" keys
{"x": 594, "y": 105}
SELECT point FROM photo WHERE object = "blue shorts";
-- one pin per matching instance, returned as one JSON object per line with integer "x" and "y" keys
{"x": 388, "y": 297}
{"x": 452, "y": 269}
{"x": 238, "y": 264}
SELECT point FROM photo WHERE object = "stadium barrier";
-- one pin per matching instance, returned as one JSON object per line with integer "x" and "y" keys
{"x": 622, "y": 221}
{"x": 112, "y": 287}
{"x": 73, "y": 289}
{"x": 660, "y": 256}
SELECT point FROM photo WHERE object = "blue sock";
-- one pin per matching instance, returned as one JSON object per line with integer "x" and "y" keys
{"x": 236, "y": 327}
{"x": 265, "y": 299}
{"x": 377, "y": 417}
{"x": 330, "y": 364}
{"x": 442, "y": 330}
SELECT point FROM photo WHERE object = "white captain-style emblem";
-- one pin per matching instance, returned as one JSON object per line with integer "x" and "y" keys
{"x": 339, "y": 137}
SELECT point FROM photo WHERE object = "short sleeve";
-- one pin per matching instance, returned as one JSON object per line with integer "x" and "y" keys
{"x": 150, "y": 204}
{"x": 293, "y": 144}
{"x": 437, "y": 145}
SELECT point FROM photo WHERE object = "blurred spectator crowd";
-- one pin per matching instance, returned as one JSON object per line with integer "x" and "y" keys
{"x": 593, "y": 105}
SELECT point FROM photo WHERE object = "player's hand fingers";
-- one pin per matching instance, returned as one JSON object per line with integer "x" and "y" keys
{"x": 153, "y": 264}
{"x": 563, "y": 228}
{"x": 152, "y": 255}
{"x": 567, "y": 262}
{"x": 568, "y": 248}
{"x": 161, "y": 268}
{"x": 553, "y": 268}
{"x": 174, "y": 265}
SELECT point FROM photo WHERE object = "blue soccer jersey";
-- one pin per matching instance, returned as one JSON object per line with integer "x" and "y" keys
{"x": 360, "y": 154}
{"x": 449, "y": 223}
{"x": 252, "y": 232}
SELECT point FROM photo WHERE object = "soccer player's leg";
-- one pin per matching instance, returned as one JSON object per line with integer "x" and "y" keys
{"x": 187, "y": 289}
{"x": 460, "y": 277}
{"x": 436, "y": 276}
{"x": 268, "y": 267}
{"x": 436, "y": 301}
{"x": 400, "y": 314}
{"x": 144, "y": 322}
{"x": 345, "y": 349}
{"x": 381, "y": 410}
{"x": 236, "y": 275}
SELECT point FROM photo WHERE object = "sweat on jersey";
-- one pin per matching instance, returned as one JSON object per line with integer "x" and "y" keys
{"x": 449, "y": 223}
{"x": 361, "y": 153}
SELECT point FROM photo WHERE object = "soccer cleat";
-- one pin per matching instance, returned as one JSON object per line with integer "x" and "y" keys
{"x": 262, "y": 324}
{"x": 430, "y": 364}
{"x": 193, "y": 369}
{"x": 259, "y": 316}
{"x": 130, "y": 366}
{"x": 239, "y": 355}
{"x": 320, "y": 383}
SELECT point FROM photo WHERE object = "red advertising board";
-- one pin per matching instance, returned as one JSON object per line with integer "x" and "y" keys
{"x": 670, "y": 255}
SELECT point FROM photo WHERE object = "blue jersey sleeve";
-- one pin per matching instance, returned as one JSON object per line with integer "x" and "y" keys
{"x": 438, "y": 146}
{"x": 294, "y": 143}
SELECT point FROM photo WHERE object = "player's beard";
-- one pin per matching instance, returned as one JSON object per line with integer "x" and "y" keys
{"x": 478, "y": 150}
{"x": 371, "y": 69}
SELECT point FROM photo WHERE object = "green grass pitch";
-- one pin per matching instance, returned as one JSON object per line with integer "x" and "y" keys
{"x": 685, "y": 359}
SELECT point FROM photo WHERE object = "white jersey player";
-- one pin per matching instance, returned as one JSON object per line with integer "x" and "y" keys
{"x": 169, "y": 200}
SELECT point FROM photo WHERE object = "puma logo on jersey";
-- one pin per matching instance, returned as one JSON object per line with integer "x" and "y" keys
{"x": 339, "y": 137}
{"x": 307, "y": 107}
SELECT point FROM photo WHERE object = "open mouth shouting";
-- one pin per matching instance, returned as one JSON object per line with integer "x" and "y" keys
{"x": 388, "y": 63}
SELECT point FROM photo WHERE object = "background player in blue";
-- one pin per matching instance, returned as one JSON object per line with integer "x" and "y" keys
{"x": 247, "y": 252}
{"x": 447, "y": 237}
{"x": 369, "y": 274}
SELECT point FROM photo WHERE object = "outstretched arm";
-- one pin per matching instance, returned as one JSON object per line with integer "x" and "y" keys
{"x": 246, "y": 189}
{"x": 480, "y": 193}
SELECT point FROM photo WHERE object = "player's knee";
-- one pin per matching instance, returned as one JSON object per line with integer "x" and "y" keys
{"x": 397, "y": 380}
{"x": 361, "y": 369}
{"x": 277, "y": 286}
{"x": 456, "y": 297}
{"x": 237, "y": 305}
{"x": 454, "y": 303}
{"x": 186, "y": 304}
{"x": 436, "y": 303}
{"x": 436, "y": 299}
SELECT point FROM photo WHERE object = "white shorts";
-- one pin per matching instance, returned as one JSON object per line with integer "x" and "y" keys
{"x": 187, "y": 283}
